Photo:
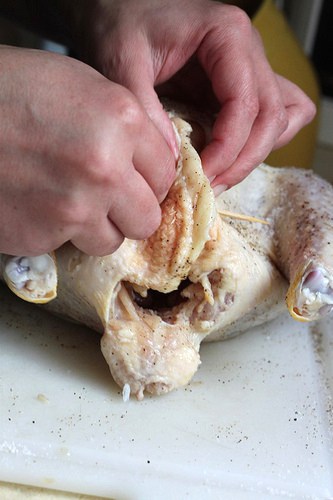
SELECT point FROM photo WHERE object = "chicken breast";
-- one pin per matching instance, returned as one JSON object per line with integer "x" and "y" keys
{"x": 214, "y": 268}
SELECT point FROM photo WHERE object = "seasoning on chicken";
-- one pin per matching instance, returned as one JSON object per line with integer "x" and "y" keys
{"x": 206, "y": 274}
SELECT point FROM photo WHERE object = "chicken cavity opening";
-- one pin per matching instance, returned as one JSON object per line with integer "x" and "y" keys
{"x": 198, "y": 303}
{"x": 155, "y": 300}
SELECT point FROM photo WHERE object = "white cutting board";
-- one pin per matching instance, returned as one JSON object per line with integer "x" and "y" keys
{"x": 255, "y": 423}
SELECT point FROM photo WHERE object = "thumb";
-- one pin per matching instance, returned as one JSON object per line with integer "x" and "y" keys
{"x": 140, "y": 81}
{"x": 154, "y": 108}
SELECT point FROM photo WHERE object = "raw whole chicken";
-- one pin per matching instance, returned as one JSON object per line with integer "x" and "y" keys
{"x": 214, "y": 268}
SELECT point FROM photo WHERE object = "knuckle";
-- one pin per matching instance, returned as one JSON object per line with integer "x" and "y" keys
{"x": 310, "y": 110}
{"x": 70, "y": 212}
{"x": 251, "y": 105}
{"x": 129, "y": 112}
{"x": 230, "y": 24}
{"x": 257, "y": 37}
{"x": 279, "y": 118}
{"x": 100, "y": 170}
{"x": 97, "y": 164}
{"x": 97, "y": 167}
{"x": 239, "y": 19}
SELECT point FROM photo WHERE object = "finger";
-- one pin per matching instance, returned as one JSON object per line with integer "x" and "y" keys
{"x": 254, "y": 152}
{"x": 138, "y": 77}
{"x": 105, "y": 240}
{"x": 299, "y": 107}
{"x": 159, "y": 148}
{"x": 133, "y": 212}
{"x": 272, "y": 129}
{"x": 154, "y": 161}
{"x": 234, "y": 82}
{"x": 134, "y": 209}
{"x": 147, "y": 96}
{"x": 270, "y": 123}
{"x": 135, "y": 189}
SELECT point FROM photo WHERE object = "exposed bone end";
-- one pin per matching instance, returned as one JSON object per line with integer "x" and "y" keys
{"x": 310, "y": 295}
{"x": 33, "y": 279}
{"x": 151, "y": 361}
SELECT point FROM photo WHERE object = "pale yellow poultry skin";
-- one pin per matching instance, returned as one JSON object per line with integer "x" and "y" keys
{"x": 230, "y": 274}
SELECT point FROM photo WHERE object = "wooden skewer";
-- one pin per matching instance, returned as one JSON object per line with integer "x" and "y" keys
{"x": 248, "y": 218}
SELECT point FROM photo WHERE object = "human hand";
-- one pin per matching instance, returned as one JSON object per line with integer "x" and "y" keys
{"x": 80, "y": 159}
{"x": 205, "y": 53}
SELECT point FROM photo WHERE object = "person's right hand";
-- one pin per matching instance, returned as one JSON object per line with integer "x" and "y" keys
{"x": 203, "y": 53}
{"x": 80, "y": 159}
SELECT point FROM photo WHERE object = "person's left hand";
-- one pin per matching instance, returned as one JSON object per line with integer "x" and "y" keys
{"x": 209, "y": 54}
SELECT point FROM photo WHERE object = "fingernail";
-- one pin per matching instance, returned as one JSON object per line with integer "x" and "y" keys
{"x": 175, "y": 142}
{"x": 220, "y": 188}
{"x": 175, "y": 150}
